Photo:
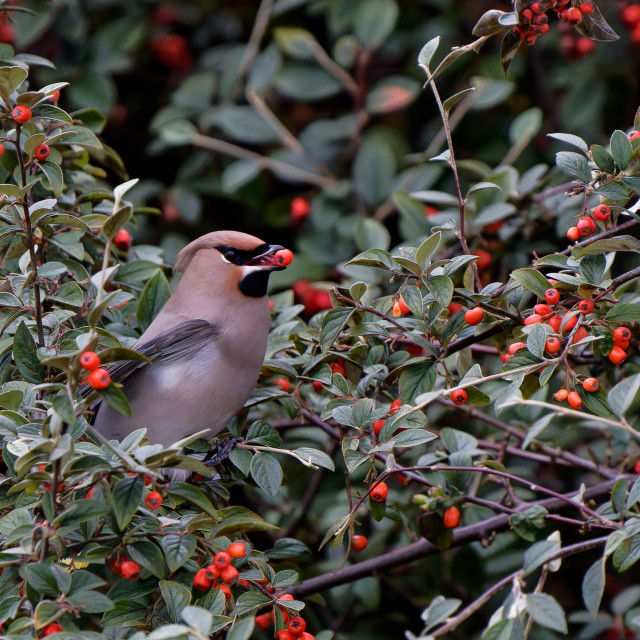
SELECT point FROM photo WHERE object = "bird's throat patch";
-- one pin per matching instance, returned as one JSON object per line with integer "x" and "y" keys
{"x": 254, "y": 284}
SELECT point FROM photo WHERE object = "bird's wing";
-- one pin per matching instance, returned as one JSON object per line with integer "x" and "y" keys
{"x": 181, "y": 342}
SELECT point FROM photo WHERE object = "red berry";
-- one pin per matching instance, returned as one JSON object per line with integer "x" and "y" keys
{"x": 573, "y": 234}
{"x": 617, "y": 355}
{"x": 115, "y": 566}
{"x": 395, "y": 407}
{"x": 222, "y": 559}
{"x": 358, "y": 543}
{"x": 285, "y": 634}
{"x": 543, "y": 310}
{"x": 484, "y": 260}
{"x": 430, "y": 211}
{"x": 630, "y": 15}
{"x": 552, "y": 296}
{"x": 300, "y": 209}
{"x": 590, "y": 385}
{"x": 1, "y": 148}
{"x": 306, "y": 636}
{"x": 237, "y": 550}
{"x": 153, "y": 500}
{"x": 229, "y": 574}
{"x": 21, "y": 113}
{"x": 586, "y": 226}
{"x": 623, "y": 344}
{"x": 225, "y": 589}
{"x": 451, "y": 517}
{"x": 552, "y": 345}
{"x": 213, "y": 573}
{"x": 337, "y": 367}
{"x": 55, "y": 96}
{"x": 42, "y": 152}
{"x": 130, "y": 570}
{"x": 586, "y": 8}
{"x": 459, "y": 396}
{"x": 575, "y": 400}
{"x": 573, "y": 15}
{"x": 474, "y": 316}
{"x": 89, "y": 496}
{"x": 400, "y": 308}
{"x": 90, "y": 360}
{"x": 50, "y": 629}
{"x": 570, "y": 323}
{"x": 580, "y": 334}
{"x": 317, "y": 385}
{"x": 554, "y": 322}
{"x": 283, "y": 257}
{"x": 536, "y": 7}
{"x": 586, "y": 306}
{"x": 122, "y": 239}
{"x": 263, "y": 621}
{"x": 561, "y": 394}
{"x": 99, "y": 379}
{"x": 297, "y": 625}
{"x": 377, "y": 427}
{"x": 632, "y": 135}
{"x": 283, "y": 383}
{"x": 201, "y": 580}
{"x": 532, "y": 319}
{"x": 602, "y": 212}
{"x": 636, "y": 467}
{"x": 379, "y": 492}
{"x": 454, "y": 307}
{"x": 621, "y": 334}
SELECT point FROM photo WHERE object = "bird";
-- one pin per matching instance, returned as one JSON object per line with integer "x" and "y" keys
{"x": 205, "y": 347}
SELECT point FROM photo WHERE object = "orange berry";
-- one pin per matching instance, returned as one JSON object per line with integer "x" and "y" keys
{"x": 623, "y": 344}
{"x": 586, "y": 226}
{"x": 379, "y": 492}
{"x": 617, "y": 355}
{"x": 153, "y": 500}
{"x": 552, "y": 345}
{"x": 201, "y": 580}
{"x": 552, "y": 296}
{"x": 395, "y": 407}
{"x": 55, "y": 96}
{"x": 263, "y": 621}
{"x": 532, "y": 319}
{"x": 50, "y": 629}
{"x": 622, "y": 334}
{"x": 358, "y": 543}
{"x": 474, "y": 316}
{"x": 225, "y": 589}
{"x": 543, "y": 310}
{"x": 99, "y": 379}
{"x": 21, "y": 113}
{"x": 459, "y": 396}
{"x": 212, "y": 572}
{"x": 297, "y": 625}
{"x": 575, "y": 400}
{"x": 237, "y": 549}
{"x": 400, "y": 308}
{"x": 570, "y": 323}
{"x": 283, "y": 383}
{"x": 573, "y": 234}
{"x": 561, "y": 394}
{"x": 451, "y": 517}
{"x": 516, "y": 346}
{"x": 591, "y": 385}
{"x": 130, "y": 570}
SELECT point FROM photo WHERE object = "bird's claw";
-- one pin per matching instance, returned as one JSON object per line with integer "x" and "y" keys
{"x": 220, "y": 451}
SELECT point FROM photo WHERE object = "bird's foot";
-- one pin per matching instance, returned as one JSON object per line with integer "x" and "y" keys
{"x": 220, "y": 451}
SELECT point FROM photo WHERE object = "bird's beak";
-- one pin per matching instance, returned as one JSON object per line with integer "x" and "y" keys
{"x": 267, "y": 260}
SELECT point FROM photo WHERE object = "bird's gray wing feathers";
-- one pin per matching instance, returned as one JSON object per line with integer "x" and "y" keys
{"x": 182, "y": 342}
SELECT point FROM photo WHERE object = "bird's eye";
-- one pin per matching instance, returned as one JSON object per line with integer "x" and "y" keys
{"x": 231, "y": 255}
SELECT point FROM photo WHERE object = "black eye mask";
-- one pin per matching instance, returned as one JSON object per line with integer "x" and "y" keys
{"x": 240, "y": 257}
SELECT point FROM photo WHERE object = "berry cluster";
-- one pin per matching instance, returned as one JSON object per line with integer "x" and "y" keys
{"x": 534, "y": 22}
{"x": 295, "y": 628}
{"x": 98, "y": 377}
{"x": 587, "y": 225}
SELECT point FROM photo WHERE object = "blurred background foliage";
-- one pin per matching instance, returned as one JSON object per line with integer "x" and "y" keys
{"x": 328, "y": 87}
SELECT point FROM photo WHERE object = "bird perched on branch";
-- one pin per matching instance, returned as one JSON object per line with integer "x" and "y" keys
{"x": 206, "y": 346}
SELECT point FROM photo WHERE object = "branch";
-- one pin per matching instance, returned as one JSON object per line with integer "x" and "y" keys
{"x": 423, "y": 548}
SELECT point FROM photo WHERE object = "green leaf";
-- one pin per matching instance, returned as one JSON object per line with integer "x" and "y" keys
{"x": 149, "y": 556}
{"x": 10, "y": 79}
{"x": 176, "y": 596}
{"x": 621, "y": 149}
{"x": 603, "y": 158}
{"x": 428, "y": 248}
{"x": 296, "y": 42}
{"x": 114, "y": 397}
{"x": 441, "y": 288}
{"x": 541, "y": 552}
{"x": 154, "y": 296}
{"x": 267, "y": 473}
{"x": 374, "y": 21}
{"x": 525, "y": 126}
{"x": 198, "y": 618}
{"x": 91, "y": 602}
{"x": 574, "y": 165}
{"x": 532, "y": 280}
{"x": 545, "y": 611}
{"x": 371, "y": 234}
{"x": 127, "y": 497}
{"x": 619, "y": 243}
{"x": 117, "y": 220}
{"x": 569, "y": 138}
{"x": 593, "y": 267}
{"x": 376, "y": 258}
{"x": 195, "y": 496}
{"x": 333, "y": 323}
{"x": 177, "y": 549}
{"x": 416, "y": 380}
{"x": 306, "y": 82}
{"x": 624, "y": 312}
{"x": 622, "y": 396}
{"x": 239, "y": 519}
{"x": 244, "y": 124}
{"x": 319, "y": 458}
{"x": 391, "y": 94}
{"x": 426, "y": 53}
{"x": 451, "y": 101}
{"x": 593, "y": 586}
{"x": 53, "y": 178}
{"x": 374, "y": 169}
{"x": 25, "y": 354}
{"x": 40, "y": 578}
{"x": 242, "y": 629}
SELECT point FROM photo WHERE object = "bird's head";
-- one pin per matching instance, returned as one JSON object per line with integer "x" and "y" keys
{"x": 234, "y": 258}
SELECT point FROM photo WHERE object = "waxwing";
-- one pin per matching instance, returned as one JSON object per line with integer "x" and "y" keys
{"x": 206, "y": 345}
